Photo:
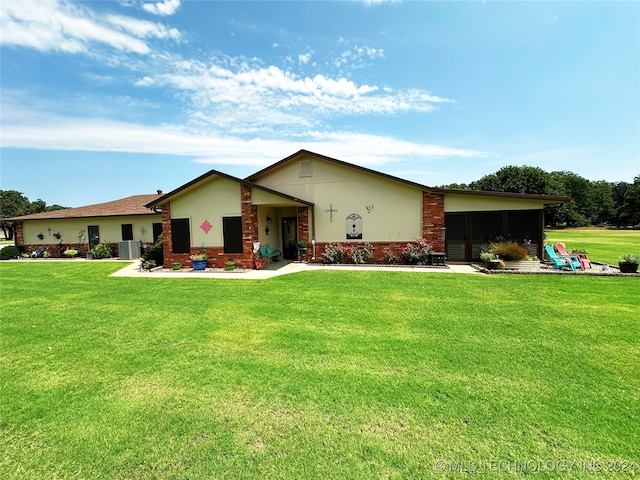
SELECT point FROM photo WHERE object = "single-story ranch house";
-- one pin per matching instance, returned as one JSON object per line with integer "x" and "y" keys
{"x": 83, "y": 228}
{"x": 304, "y": 197}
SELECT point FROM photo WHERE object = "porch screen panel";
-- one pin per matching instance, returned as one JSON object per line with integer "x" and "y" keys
{"x": 232, "y": 234}
{"x": 180, "y": 235}
{"x": 486, "y": 226}
{"x": 455, "y": 223}
{"x": 455, "y": 235}
{"x": 523, "y": 224}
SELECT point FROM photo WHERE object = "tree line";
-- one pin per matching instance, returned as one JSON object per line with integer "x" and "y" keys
{"x": 593, "y": 202}
{"x": 15, "y": 204}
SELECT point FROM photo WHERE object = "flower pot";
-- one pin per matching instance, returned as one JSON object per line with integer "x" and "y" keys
{"x": 199, "y": 264}
{"x": 493, "y": 265}
{"x": 230, "y": 266}
{"x": 626, "y": 267}
{"x": 176, "y": 266}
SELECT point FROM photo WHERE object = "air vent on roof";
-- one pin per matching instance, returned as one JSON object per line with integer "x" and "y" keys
{"x": 305, "y": 168}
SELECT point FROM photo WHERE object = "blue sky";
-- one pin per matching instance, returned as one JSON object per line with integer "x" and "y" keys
{"x": 101, "y": 100}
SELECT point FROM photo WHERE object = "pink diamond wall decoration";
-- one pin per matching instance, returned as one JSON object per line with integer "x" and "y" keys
{"x": 206, "y": 226}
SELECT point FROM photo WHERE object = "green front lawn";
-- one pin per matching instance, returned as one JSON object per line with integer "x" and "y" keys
{"x": 326, "y": 374}
{"x": 602, "y": 245}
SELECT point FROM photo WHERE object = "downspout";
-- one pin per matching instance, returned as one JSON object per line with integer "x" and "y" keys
{"x": 313, "y": 232}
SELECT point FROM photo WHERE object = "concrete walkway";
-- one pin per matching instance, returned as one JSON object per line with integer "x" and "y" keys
{"x": 133, "y": 270}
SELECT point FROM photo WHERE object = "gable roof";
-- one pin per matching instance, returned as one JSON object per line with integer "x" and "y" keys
{"x": 164, "y": 198}
{"x": 134, "y": 205}
{"x": 547, "y": 198}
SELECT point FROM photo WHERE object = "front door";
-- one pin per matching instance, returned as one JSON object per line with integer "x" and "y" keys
{"x": 94, "y": 235}
{"x": 290, "y": 237}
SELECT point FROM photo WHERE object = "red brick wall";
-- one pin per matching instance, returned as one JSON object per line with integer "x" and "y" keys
{"x": 167, "y": 238}
{"x": 303, "y": 229}
{"x": 380, "y": 250}
{"x": 433, "y": 219}
{"x": 18, "y": 232}
{"x": 249, "y": 226}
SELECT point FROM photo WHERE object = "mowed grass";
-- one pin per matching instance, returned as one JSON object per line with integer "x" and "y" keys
{"x": 327, "y": 374}
{"x": 602, "y": 245}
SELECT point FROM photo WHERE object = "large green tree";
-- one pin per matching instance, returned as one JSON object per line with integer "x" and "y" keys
{"x": 593, "y": 202}
{"x": 15, "y": 204}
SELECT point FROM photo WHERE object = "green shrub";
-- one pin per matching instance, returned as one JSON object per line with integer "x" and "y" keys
{"x": 627, "y": 257}
{"x": 9, "y": 252}
{"x": 510, "y": 251}
{"x": 154, "y": 253}
{"x": 70, "y": 252}
{"x": 102, "y": 251}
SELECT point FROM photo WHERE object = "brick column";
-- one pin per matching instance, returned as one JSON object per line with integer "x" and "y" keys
{"x": 303, "y": 228}
{"x": 167, "y": 242}
{"x": 18, "y": 233}
{"x": 433, "y": 219}
{"x": 249, "y": 224}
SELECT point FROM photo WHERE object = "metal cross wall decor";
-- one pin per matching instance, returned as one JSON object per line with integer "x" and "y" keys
{"x": 330, "y": 211}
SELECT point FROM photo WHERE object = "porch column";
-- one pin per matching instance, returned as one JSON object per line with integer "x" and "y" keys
{"x": 249, "y": 224}
{"x": 303, "y": 226}
{"x": 167, "y": 241}
{"x": 433, "y": 219}
{"x": 18, "y": 233}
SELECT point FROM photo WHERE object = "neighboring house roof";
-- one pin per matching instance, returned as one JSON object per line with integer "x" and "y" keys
{"x": 134, "y": 205}
{"x": 164, "y": 198}
{"x": 546, "y": 198}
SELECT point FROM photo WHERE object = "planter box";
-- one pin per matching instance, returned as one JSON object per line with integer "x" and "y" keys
{"x": 522, "y": 265}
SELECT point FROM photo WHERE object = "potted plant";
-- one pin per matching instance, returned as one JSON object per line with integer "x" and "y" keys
{"x": 628, "y": 262}
{"x": 230, "y": 265}
{"x": 198, "y": 261}
{"x": 302, "y": 248}
{"x": 176, "y": 266}
{"x": 486, "y": 257}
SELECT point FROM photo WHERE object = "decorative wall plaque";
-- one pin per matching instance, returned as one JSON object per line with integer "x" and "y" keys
{"x": 354, "y": 227}
{"x": 206, "y": 226}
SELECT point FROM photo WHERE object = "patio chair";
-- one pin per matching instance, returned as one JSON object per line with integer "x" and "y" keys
{"x": 571, "y": 262}
{"x": 269, "y": 254}
{"x": 584, "y": 259}
{"x": 274, "y": 255}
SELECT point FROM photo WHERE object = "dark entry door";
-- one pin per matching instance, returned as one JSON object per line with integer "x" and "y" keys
{"x": 290, "y": 237}
{"x": 94, "y": 235}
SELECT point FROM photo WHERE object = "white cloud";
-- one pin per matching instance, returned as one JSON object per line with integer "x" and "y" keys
{"x": 36, "y": 129}
{"x": 143, "y": 29}
{"x": 304, "y": 58}
{"x": 358, "y": 56}
{"x": 371, "y": 3}
{"x": 245, "y": 97}
{"x": 168, "y": 7}
{"x": 144, "y": 82}
{"x": 73, "y": 28}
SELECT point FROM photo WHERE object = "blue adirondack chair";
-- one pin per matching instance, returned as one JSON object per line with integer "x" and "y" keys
{"x": 571, "y": 262}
